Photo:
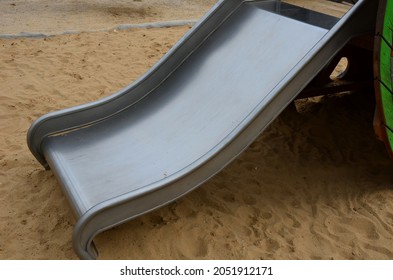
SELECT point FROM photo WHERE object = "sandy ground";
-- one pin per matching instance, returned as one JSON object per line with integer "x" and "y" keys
{"x": 315, "y": 185}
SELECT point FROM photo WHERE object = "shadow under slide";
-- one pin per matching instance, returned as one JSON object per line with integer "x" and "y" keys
{"x": 191, "y": 114}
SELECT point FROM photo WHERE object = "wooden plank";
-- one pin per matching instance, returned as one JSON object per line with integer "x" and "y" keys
{"x": 323, "y": 6}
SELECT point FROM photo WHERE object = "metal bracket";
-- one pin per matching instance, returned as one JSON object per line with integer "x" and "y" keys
{"x": 358, "y": 75}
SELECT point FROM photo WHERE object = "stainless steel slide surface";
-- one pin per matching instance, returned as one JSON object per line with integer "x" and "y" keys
{"x": 199, "y": 107}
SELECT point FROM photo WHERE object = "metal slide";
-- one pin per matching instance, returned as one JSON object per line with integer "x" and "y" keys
{"x": 191, "y": 114}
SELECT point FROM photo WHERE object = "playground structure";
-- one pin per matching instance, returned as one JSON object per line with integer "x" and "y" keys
{"x": 202, "y": 104}
{"x": 383, "y": 69}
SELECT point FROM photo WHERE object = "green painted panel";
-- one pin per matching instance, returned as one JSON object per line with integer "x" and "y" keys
{"x": 386, "y": 69}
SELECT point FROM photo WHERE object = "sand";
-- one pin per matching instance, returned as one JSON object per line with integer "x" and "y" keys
{"x": 315, "y": 185}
